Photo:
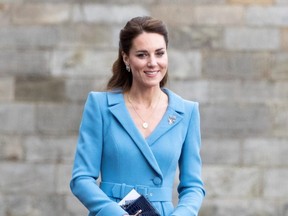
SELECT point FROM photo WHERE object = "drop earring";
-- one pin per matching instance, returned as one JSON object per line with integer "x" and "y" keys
{"x": 128, "y": 68}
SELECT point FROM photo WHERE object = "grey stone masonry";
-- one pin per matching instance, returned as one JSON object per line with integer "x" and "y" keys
{"x": 229, "y": 55}
{"x": 7, "y": 88}
{"x": 252, "y": 39}
{"x": 271, "y": 16}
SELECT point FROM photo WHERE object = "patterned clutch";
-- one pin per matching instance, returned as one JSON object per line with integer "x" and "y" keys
{"x": 140, "y": 206}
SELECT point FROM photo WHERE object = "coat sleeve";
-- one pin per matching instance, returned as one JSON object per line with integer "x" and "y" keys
{"x": 88, "y": 161}
{"x": 190, "y": 189}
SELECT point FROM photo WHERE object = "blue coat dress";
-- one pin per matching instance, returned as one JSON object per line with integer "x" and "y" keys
{"x": 111, "y": 145}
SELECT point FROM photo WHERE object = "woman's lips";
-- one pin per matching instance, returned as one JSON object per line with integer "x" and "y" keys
{"x": 151, "y": 72}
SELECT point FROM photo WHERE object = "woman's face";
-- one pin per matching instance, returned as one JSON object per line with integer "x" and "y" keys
{"x": 147, "y": 59}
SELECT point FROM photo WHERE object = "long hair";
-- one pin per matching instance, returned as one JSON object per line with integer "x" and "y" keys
{"x": 121, "y": 78}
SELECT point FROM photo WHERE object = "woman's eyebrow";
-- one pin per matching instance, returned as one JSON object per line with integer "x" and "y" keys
{"x": 141, "y": 51}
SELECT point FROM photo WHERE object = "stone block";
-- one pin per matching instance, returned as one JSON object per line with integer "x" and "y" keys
{"x": 2, "y": 206}
{"x": 11, "y": 148}
{"x": 77, "y": 89}
{"x": 9, "y": 1}
{"x": 128, "y": 2}
{"x": 89, "y": 34}
{"x": 190, "y": 37}
{"x": 265, "y": 152}
{"x": 36, "y": 205}
{"x": 238, "y": 91}
{"x": 77, "y": 14}
{"x": 48, "y": 36}
{"x": 24, "y": 62}
{"x": 185, "y": 13}
{"x": 195, "y": 1}
{"x": 239, "y": 207}
{"x": 74, "y": 207}
{"x": 219, "y": 15}
{"x": 236, "y": 65}
{"x": 28, "y": 37}
{"x": 17, "y": 118}
{"x": 252, "y": 2}
{"x": 49, "y": 149}
{"x": 53, "y": 1}
{"x": 282, "y": 2}
{"x": 284, "y": 207}
{"x": 280, "y": 92}
{"x": 185, "y": 65}
{"x": 235, "y": 120}
{"x": 267, "y": 16}
{"x": 190, "y": 90}
{"x": 279, "y": 69}
{"x": 81, "y": 62}
{"x": 274, "y": 184}
{"x": 222, "y": 182}
{"x": 63, "y": 177}
{"x": 19, "y": 205}
{"x": 40, "y": 13}
{"x": 27, "y": 178}
{"x": 189, "y": 14}
{"x": 251, "y": 39}
{"x": 86, "y": 35}
{"x": 58, "y": 118}
{"x": 39, "y": 88}
{"x": 284, "y": 38}
{"x": 280, "y": 120}
{"x": 221, "y": 151}
{"x": 175, "y": 185}
{"x": 6, "y": 88}
{"x": 4, "y": 14}
{"x": 234, "y": 91}
{"x": 97, "y": 13}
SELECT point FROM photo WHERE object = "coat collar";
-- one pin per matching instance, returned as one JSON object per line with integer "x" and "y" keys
{"x": 172, "y": 116}
{"x": 175, "y": 101}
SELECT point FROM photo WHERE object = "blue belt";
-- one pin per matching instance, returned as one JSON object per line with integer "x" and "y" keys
{"x": 154, "y": 194}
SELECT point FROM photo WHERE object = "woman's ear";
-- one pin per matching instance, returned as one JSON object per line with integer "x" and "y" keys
{"x": 125, "y": 58}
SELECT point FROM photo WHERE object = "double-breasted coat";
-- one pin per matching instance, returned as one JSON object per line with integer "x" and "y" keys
{"x": 111, "y": 146}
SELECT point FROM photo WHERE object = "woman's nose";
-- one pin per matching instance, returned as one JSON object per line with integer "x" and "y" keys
{"x": 152, "y": 62}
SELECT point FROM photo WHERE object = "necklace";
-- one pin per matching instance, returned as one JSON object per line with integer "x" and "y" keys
{"x": 145, "y": 124}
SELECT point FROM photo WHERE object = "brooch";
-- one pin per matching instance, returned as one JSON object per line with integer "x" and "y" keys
{"x": 171, "y": 119}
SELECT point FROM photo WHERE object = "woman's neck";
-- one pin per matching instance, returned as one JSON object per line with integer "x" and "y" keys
{"x": 146, "y": 98}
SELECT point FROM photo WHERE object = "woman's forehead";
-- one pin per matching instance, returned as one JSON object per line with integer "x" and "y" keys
{"x": 148, "y": 41}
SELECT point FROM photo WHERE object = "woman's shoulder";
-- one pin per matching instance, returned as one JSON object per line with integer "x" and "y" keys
{"x": 102, "y": 96}
{"x": 97, "y": 95}
{"x": 176, "y": 99}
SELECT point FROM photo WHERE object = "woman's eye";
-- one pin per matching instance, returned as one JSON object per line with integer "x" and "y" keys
{"x": 141, "y": 55}
{"x": 160, "y": 53}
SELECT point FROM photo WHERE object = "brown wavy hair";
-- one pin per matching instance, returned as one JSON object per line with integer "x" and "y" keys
{"x": 121, "y": 79}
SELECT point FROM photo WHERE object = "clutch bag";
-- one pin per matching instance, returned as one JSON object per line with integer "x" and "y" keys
{"x": 140, "y": 206}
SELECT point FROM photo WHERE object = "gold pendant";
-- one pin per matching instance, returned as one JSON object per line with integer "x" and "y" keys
{"x": 145, "y": 125}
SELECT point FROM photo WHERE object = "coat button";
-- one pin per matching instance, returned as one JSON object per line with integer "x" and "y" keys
{"x": 157, "y": 181}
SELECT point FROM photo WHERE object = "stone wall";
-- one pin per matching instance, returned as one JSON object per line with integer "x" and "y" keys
{"x": 230, "y": 55}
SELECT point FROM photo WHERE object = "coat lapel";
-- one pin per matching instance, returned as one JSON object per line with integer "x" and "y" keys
{"x": 171, "y": 118}
{"x": 118, "y": 108}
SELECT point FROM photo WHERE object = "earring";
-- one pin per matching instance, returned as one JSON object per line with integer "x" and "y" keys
{"x": 128, "y": 68}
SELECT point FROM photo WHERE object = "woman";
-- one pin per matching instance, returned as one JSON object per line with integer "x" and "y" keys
{"x": 137, "y": 132}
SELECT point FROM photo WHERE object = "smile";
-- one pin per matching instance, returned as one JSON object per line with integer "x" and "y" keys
{"x": 151, "y": 72}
